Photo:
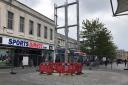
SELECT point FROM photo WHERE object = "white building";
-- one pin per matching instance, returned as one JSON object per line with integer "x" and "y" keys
{"x": 24, "y": 32}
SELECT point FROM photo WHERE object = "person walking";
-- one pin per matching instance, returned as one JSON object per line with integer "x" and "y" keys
{"x": 22, "y": 65}
{"x": 117, "y": 62}
{"x": 125, "y": 62}
{"x": 106, "y": 63}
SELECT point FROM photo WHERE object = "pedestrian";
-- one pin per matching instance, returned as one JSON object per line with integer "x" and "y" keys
{"x": 125, "y": 62}
{"x": 117, "y": 62}
{"x": 111, "y": 63}
{"x": 22, "y": 65}
{"x": 106, "y": 63}
{"x": 31, "y": 63}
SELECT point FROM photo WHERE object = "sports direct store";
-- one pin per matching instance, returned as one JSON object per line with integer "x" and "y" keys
{"x": 18, "y": 49}
{"x": 25, "y": 35}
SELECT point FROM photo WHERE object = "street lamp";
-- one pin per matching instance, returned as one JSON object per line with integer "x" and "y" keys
{"x": 89, "y": 48}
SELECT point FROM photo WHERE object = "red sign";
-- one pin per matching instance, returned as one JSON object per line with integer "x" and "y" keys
{"x": 35, "y": 45}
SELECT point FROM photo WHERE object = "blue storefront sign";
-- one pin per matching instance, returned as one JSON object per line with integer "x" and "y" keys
{"x": 15, "y": 42}
{"x": 25, "y": 43}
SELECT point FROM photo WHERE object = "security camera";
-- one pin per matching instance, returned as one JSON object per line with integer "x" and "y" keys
{"x": 4, "y": 27}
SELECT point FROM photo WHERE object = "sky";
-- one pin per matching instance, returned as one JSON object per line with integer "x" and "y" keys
{"x": 89, "y": 9}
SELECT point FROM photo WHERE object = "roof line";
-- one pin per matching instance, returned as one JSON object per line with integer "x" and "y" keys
{"x": 34, "y": 10}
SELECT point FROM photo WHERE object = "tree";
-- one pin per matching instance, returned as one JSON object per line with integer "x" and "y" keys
{"x": 97, "y": 39}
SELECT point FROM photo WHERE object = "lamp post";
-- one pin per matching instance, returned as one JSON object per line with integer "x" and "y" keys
{"x": 88, "y": 48}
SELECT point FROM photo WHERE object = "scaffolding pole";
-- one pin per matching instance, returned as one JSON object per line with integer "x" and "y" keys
{"x": 55, "y": 31}
{"x": 66, "y": 31}
{"x": 78, "y": 29}
{"x": 66, "y": 27}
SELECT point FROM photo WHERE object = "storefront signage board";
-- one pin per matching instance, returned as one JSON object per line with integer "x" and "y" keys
{"x": 24, "y": 43}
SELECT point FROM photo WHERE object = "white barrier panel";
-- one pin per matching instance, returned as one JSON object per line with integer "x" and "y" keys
{"x": 25, "y": 60}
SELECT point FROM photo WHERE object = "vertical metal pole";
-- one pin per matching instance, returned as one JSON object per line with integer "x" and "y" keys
{"x": 126, "y": 64}
{"x": 66, "y": 32}
{"x": 66, "y": 26}
{"x": 78, "y": 29}
{"x": 55, "y": 41}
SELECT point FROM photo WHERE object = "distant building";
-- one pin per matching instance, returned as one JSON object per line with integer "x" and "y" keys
{"x": 122, "y": 54}
{"x": 72, "y": 43}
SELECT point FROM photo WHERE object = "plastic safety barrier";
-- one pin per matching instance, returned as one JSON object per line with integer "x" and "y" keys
{"x": 68, "y": 68}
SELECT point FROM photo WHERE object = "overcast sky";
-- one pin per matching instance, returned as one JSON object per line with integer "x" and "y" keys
{"x": 89, "y": 9}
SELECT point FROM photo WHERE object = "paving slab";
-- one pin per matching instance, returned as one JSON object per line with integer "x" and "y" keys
{"x": 88, "y": 78}
{"x": 29, "y": 76}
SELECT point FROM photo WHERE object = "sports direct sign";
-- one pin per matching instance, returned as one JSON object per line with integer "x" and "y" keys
{"x": 35, "y": 45}
{"x": 22, "y": 43}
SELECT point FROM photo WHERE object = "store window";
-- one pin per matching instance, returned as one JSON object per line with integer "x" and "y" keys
{"x": 0, "y": 40}
{"x": 45, "y": 32}
{"x": 5, "y": 60}
{"x": 21, "y": 27}
{"x": 39, "y": 30}
{"x": 31, "y": 27}
{"x": 51, "y": 34}
{"x": 10, "y": 20}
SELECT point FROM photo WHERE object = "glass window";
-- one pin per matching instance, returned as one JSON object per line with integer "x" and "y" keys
{"x": 51, "y": 34}
{"x": 45, "y": 32}
{"x": 21, "y": 29}
{"x": 10, "y": 20}
{"x": 0, "y": 40}
{"x": 39, "y": 30}
{"x": 31, "y": 26}
{"x": 5, "y": 59}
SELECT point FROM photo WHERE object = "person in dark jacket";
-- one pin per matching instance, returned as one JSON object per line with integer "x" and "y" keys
{"x": 106, "y": 63}
{"x": 125, "y": 62}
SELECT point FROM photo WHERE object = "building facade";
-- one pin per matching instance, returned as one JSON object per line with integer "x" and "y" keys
{"x": 24, "y": 33}
{"x": 60, "y": 49}
{"x": 122, "y": 54}
{"x": 72, "y": 43}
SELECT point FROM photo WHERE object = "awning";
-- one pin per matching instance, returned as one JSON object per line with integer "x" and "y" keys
{"x": 122, "y": 6}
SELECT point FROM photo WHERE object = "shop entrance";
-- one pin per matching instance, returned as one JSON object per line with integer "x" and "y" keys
{"x": 10, "y": 55}
{"x": 34, "y": 56}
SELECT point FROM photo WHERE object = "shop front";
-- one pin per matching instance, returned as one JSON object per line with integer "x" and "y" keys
{"x": 18, "y": 52}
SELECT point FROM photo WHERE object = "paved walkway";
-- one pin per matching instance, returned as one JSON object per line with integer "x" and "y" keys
{"x": 97, "y": 76}
{"x": 90, "y": 77}
{"x": 114, "y": 66}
